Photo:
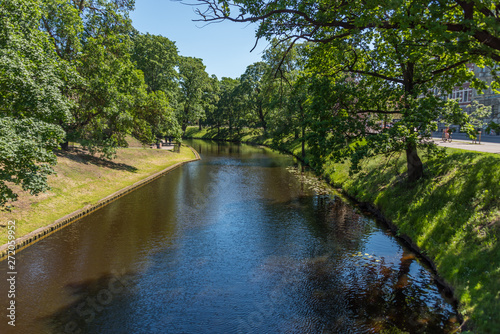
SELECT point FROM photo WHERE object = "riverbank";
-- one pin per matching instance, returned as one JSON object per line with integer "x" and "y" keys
{"x": 82, "y": 180}
{"x": 452, "y": 216}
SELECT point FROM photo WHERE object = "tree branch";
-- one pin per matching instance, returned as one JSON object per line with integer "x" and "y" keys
{"x": 376, "y": 111}
{"x": 377, "y": 75}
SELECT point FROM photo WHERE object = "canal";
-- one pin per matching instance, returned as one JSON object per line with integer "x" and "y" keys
{"x": 233, "y": 243}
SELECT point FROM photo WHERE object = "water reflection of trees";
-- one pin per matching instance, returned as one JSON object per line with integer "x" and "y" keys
{"x": 339, "y": 290}
{"x": 338, "y": 225}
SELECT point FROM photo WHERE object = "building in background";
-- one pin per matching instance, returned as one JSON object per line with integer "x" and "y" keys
{"x": 488, "y": 97}
{"x": 465, "y": 94}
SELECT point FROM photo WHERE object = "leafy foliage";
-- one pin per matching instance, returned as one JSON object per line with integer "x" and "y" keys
{"x": 26, "y": 154}
{"x": 226, "y": 112}
{"x": 159, "y": 117}
{"x": 474, "y": 23}
{"x": 68, "y": 66}
{"x": 94, "y": 36}
{"x": 157, "y": 57}
{"x": 194, "y": 82}
{"x": 31, "y": 80}
{"x": 384, "y": 59}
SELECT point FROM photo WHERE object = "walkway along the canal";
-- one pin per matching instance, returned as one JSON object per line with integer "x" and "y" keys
{"x": 486, "y": 147}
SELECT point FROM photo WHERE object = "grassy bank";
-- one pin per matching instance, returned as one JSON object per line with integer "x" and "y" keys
{"x": 251, "y": 136}
{"x": 82, "y": 180}
{"x": 452, "y": 215}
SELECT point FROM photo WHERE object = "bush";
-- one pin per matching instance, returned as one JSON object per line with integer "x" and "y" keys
{"x": 493, "y": 126}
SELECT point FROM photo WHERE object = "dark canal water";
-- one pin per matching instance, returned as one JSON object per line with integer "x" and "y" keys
{"x": 233, "y": 243}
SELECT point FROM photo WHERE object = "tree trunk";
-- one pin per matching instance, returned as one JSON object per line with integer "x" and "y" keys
{"x": 303, "y": 143}
{"x": 185, "y": 119}
{"x": 64, "y": 146}
{"x": 199, "y": 124}
{"x": 414, "y": 164}
{"x": 262, "y": 118}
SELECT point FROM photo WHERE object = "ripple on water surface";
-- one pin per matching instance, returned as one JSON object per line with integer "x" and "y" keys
{"x": 232, "y": 243}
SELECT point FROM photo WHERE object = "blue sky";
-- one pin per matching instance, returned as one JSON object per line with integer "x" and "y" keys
{"x": 224, "y": 47}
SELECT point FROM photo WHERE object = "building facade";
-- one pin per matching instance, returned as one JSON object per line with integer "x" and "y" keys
{"x": 465, "y": 95}
{"x": 488, "y": 97}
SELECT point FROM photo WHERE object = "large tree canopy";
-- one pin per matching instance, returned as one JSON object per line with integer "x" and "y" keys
{"x": 94, "y": 36}
{"x": 388, "y": 72}
{"x": 475, "y": 22}
{"x": 378, "y": 58}
{"x": 66, "y": 74}
{"x": 194, "y": 81}
{"x": 31, "y": 102}
{"x": 252, "y": 82}
{"x": 157, "y": 57}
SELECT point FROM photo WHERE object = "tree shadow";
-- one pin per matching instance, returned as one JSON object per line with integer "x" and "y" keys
{"x": 90, "y": 298}
{"x": 83, "y": 157}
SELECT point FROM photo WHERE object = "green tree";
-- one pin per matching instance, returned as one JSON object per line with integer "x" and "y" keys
{"x": 94, "y": 36}
{"x": 211, "y": 98}
{"x": 159, "y": 118}
{"x": 388, "y": 73}
{"x": 31, "y": 101}
{"x": 227, "y": 105}
{"x": 194, "y": 82}
{"x": 394, "y": 51}
{"x": 157, "y": 57}
{"x": 477, "y": 114}
{"x": 252, "y": 88}
{"x": 286, "y": 93}
{"x": 476, "y": 23}
{"x": 107, "y": 104}
{"x": 26, "y": 155}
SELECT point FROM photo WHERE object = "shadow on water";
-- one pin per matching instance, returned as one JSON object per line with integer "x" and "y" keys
{"x": 463, "y": 185}
{"x": 90, "y": 300}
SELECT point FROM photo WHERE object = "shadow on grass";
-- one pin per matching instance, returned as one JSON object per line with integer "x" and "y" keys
{"x": 83, "y": 157}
